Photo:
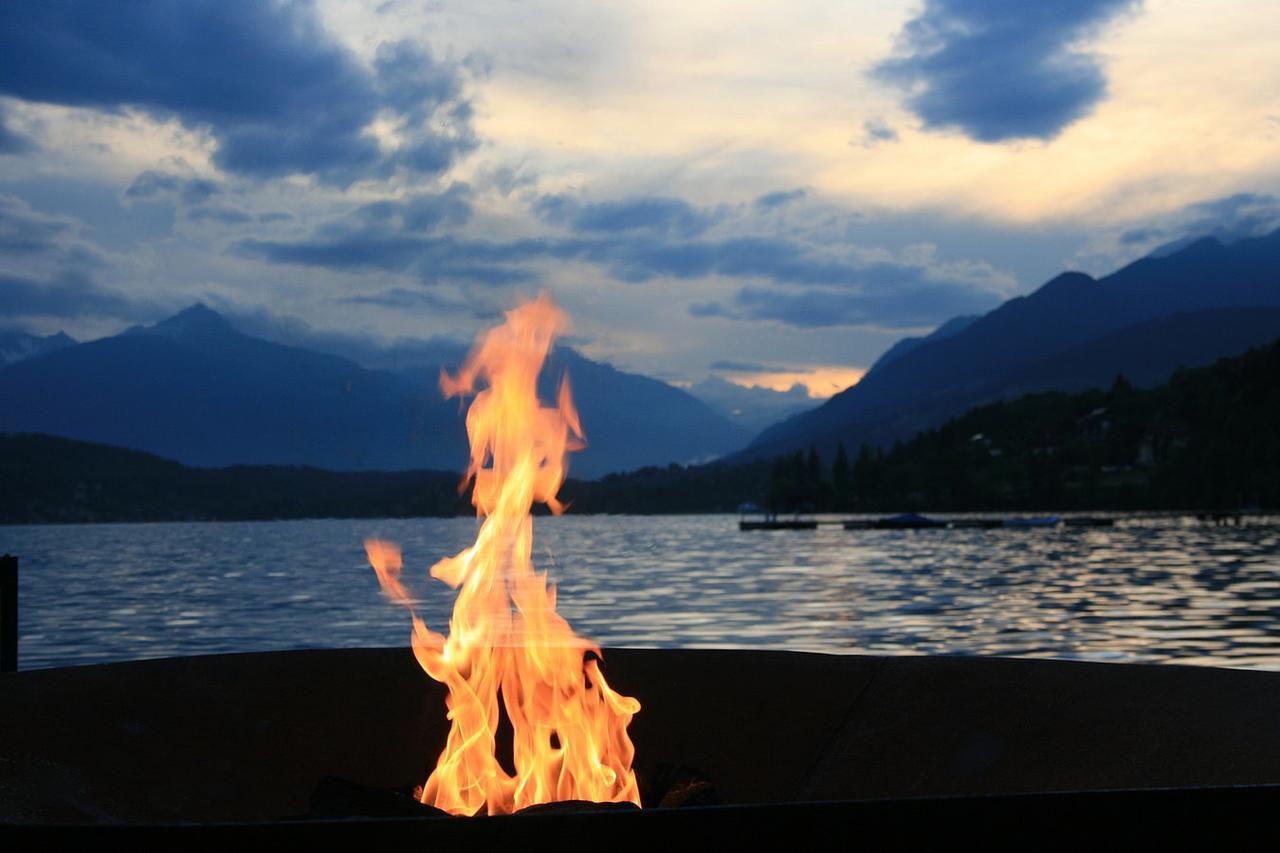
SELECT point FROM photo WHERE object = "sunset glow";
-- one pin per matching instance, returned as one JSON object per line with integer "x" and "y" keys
{"x": 821, "y": 382}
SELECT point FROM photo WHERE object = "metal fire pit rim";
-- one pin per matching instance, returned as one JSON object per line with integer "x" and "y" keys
{"x": 1175, "y": 815}
{"x": 1012, "y": 799}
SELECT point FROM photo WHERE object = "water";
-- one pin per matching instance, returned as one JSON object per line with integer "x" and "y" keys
{"x": 1147, "y": 590}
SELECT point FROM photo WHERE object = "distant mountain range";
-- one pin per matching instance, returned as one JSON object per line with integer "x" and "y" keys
{"x": 1184, "y": 308}
{"x": 195, "y": 390}
{"x": 17, "y": 345}
{"x": 753, "y": 408}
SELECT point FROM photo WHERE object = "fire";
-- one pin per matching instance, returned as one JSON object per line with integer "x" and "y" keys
{"x": 570, "y": 737}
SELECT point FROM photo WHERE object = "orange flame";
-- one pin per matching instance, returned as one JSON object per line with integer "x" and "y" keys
{"x": 570, "y": 737}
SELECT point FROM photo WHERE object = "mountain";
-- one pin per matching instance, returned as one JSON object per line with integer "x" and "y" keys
{"x": 753, "y": 408}
{"x": 1146, "y": 354}
{"x": 196, "y": 390}
{"x": 16, "y": 345}
{"x": 631, "y": 420}
{"x": 634, "y": 421}
{"x": 954, "y": 326}
{"x": 1033, "y": 342}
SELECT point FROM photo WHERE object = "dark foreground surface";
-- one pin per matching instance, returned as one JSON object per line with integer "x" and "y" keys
{"x": 818, "y": 747}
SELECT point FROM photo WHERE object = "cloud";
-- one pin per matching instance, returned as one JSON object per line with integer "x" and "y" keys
{"x": 876, "y": 131}
{"x": 69, "y": 294}
{"x": 217, "y": 213}
{"x": 154, "y": 185}
{"x": 998, "y": 71}
{"x": 1234, "y": 217}
{"x": 505, "y": 179}
{"x": 11, "y": 141}
{"x": 193, "y": 194}
{"x": 648, "y": 213}
{"x": 637, "y": 244}
{"x": 1138, "y": 236}
{"x": 430, "y": 259}
{"x": 48, "y": 270}
{"x": 276, "y": 92}
{"x": 360, "y": 347}
{"x": 402, "y": 299}
{"x": 774, "y": 200}
{"x": 709, "y": 309}
{"x": 1230, "y": 218}
{"x": 26, "y": 231}
{"x": 842, "y": 286}
{"x": 751, "y": 367}
{"x": 421, "y": 211}
{"x": 912, "y": 304}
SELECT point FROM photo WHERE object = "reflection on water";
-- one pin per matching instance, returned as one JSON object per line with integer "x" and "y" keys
{"x": 1162, "y": 590}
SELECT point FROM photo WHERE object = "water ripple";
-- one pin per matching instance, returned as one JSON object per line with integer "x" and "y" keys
{"x": 1149, "y": 590}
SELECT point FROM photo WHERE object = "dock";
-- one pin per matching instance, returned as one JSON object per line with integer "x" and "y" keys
{"x": 915, "y": 521}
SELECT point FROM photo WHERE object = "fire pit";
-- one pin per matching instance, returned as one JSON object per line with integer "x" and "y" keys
{"x": 808, "y": 744}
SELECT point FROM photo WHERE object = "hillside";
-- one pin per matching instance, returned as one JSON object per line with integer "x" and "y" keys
{"x": 1204, "y": 440}
{"x": 45, "y": 479}
{"x": 1065, "y": 332}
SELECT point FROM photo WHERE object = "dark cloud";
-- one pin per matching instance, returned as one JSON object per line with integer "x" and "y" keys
{"x": 221, "y": 215}
{"x": 708, "y": 309}
{"x": 277, "y": 93}
{"x": 154, "y": 185}
{"x": 998, "y": 70}
{"x": 403, "y": 299}
{"x": 778, "y": 259}
{"x": 69, "y": 294}
{"x": 912, "y": 304}
{"x": 1230, "y": 218}
{"x": 505, "y": 179}
{"x": 422, "y": 211}
{"x": 47, "y": 269}
{"x": 25, "y": 231}
{"x": 383, "y": 240}
{"x": 752, "y": 367}
{"x": 890, "y": 287}
{"x": 774, "y": 200}
{"x": 1234, "y": 217}
{"x": 1141, "y": 235}
{"x": 657, "y": 214}
{"x": 275, "y": 216}
{"x": 431, "y": 259}
{"x": 12, "y": 142}
{"x": 876, "y": 131}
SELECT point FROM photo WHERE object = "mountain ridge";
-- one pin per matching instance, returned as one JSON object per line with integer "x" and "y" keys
{"x": 942, "y": 377}
{"x": 195, "y": 389}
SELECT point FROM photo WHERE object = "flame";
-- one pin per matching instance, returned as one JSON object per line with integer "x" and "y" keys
{"x": 570, "y": 737}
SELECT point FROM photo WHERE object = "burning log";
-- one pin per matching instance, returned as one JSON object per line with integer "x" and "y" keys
{"x": 671, "y": 786}
{"x": 666, "y": 786}
{"x": 342, "y": 798}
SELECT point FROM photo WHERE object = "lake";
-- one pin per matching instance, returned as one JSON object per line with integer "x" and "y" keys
{"x": 1166, "y": 590}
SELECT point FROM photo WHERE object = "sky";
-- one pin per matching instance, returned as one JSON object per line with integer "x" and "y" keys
{"x": 765, "y": 192}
